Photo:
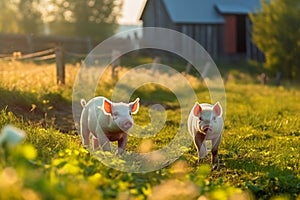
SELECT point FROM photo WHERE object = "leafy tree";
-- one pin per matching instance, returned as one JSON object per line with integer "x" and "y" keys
{"x": 276, "y": 32}
{"x": 7, "y": 14}
{"x": 90, "y": 18}
{"x": 22, "y": 16}
{"x": 83, "y": 18}
{"x": 30, "y": 18}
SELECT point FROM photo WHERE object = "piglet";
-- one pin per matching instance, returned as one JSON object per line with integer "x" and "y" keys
{"x": 106, "y": 121}
{"x": 205, "y": 122}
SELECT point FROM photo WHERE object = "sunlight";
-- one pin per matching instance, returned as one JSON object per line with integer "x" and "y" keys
{"x": 131, "y": 11}
{"x": 47, "y": 8}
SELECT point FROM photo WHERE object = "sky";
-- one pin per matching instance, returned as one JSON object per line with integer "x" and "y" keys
{"x": 131, "y": 11}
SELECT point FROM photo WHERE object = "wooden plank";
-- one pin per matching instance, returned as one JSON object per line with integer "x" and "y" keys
{"x": 60, "y": 65}
{"x": 209, "y": 39}
{"x": 230, "y": 34}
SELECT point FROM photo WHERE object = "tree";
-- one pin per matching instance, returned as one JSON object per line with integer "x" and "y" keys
{"x": 96, "y": 19}
{"x": 276, "y": 32}
{"x": 20, "y": 16}
{"x": 86, "y": 18}
{"x": 8, "y": 14}
{"x": 29, "y": 17}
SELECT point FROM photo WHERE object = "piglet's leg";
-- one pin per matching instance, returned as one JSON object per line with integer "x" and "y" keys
{"x": 122, "y": 143}
{"x": 214, "y": 151}
{"x": 203, "y": 150}
{"x": 200, "y": 144}
{"x": 95, "y": 143}
{"x": 84, "y": 130}
{"x": 103, "y": 141}
{"x": 85, "y": 136}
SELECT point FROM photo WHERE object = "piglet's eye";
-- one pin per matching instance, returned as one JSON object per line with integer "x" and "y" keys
{"x": 130, "y": 113}
{"x": 214, "y": 118}
{"x": 115, "y": 113}
{"x": 200, "y": 118}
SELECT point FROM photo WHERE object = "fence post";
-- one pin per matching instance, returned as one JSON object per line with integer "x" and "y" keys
{"x": 188, "y": 68}
{"x": 60, "y": 65}
{"x": 116, "y": 58}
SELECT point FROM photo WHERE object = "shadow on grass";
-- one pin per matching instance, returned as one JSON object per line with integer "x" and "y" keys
{"x": 266, "y": 181}
{"x": 50, "y": 109}
{"x": 153, "y": 94}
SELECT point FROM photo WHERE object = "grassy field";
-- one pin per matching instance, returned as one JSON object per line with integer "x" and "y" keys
{"x": 259, "y": 152}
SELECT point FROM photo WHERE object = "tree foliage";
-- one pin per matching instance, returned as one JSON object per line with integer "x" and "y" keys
{"x": 276, "y": 32}
{"x": 7, "y": 13}
{"x": 29, "y": 17}
{"x": 93, "y": 18}
{"x": 96, "y": 19}
{"x": 22, "y": 16}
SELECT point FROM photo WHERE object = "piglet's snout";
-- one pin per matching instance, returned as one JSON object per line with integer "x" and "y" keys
{"x": 127, "y": 124}
{"x": 206, "y": 128}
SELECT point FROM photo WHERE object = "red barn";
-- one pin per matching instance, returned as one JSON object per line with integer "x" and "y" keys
{"x": 222, "y": 27}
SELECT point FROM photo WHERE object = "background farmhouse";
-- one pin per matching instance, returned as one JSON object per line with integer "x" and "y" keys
{"x": 222, "y": 27}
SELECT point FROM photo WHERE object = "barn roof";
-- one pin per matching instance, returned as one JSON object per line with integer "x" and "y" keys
{"x": 207, "y": 11}
{"x": 237, "y": 6}
{"x": 193, "y": 11}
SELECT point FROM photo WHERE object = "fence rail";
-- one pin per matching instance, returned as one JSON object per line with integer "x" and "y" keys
{"x": 54, "y": 48}
{"x": 57, "y": 54}
{"x": 39, "y": 56}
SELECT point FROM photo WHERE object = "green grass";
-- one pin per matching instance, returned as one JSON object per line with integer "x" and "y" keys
{"x": 259, "y": 151}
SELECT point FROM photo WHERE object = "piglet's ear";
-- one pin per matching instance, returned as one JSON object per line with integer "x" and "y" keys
{"x": 107, "y": 106}
{"x": 197, "y": 109}
{"x": 218, "y": 109}
{"x": 135, "y": 106}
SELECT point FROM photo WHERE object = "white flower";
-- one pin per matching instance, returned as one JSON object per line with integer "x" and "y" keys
{"x": 11, "y": 135}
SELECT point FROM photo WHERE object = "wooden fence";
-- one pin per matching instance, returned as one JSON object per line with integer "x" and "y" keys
{"x": 56, "y": 54}
{"x": 32, "y": 43}
{"x": 50, "y": 48}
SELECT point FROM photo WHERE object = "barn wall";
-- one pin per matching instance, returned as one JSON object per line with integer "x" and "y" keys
{"x": 210, "y": 36}
{"x": 230, "y": 34}
{"x": 221, "y": 41}
{"x": 252, "y": 52}
{"x": 156, "y": 15}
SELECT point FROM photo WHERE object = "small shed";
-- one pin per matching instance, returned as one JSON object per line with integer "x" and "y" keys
{"x": 222, "y": 27}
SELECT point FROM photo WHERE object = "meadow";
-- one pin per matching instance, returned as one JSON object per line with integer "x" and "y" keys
{"x": 259, "y": 152}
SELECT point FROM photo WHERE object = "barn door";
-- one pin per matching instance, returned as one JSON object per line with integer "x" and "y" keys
{"x": 241, "y": 33}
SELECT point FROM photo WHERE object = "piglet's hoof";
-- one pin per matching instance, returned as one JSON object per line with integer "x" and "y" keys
{"x": 215, "y": 166}
{"x": 201, "y": 160}
{"x": 120, "y": 151}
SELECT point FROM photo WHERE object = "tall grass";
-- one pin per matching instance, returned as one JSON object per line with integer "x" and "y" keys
{"x": 259, "y": 152}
